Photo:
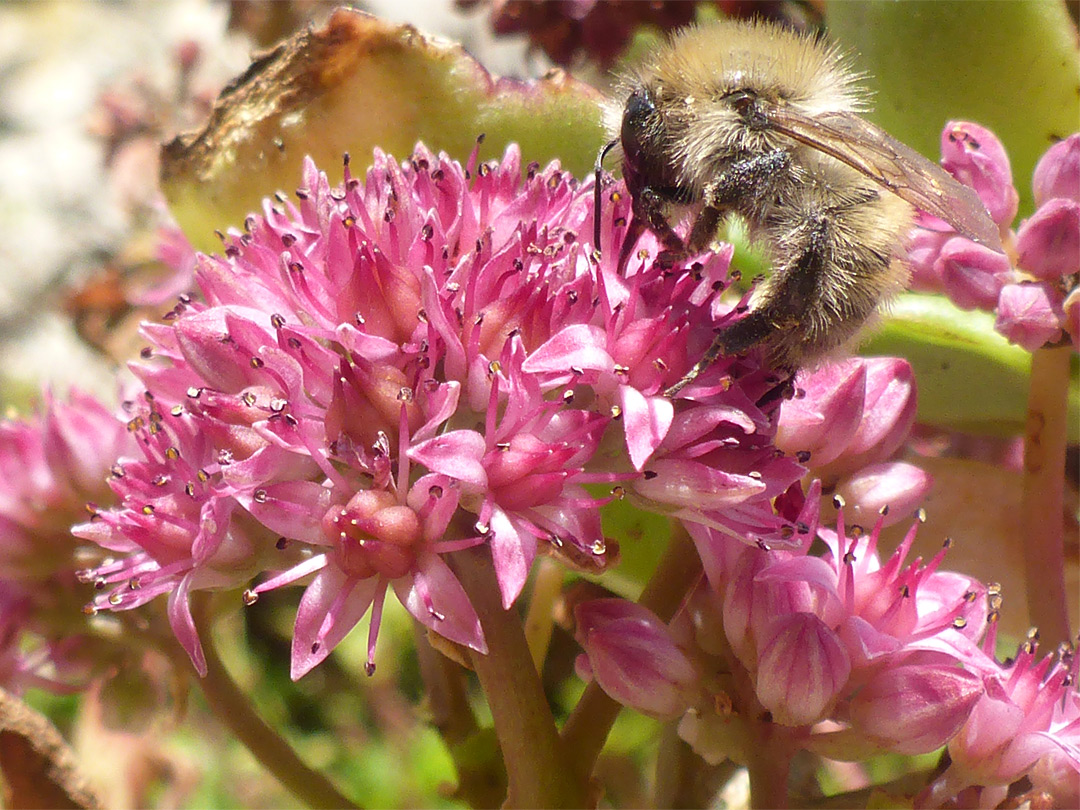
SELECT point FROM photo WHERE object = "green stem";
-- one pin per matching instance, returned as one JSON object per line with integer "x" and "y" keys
{"x": 232, "y": 708}
{"x": 537, "y": 768}
{"x": 769, "y": 768}
{"x": 588, "y": 726}
{"x": 1042, "y": 506}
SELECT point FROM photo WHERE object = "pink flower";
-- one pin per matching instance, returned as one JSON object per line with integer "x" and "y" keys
{"x": 1027, "y": 722}
{"x": 51, "y": 465}
{"x": 975, "y": 156}
{"x": 851, "y": 617}
{"x": 1029, "y": 314}
{"x": 430, "y": 358}
{"x": 1057, "y": 174}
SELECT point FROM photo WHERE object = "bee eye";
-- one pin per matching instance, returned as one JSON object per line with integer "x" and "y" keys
{"x": 741, "y": 100}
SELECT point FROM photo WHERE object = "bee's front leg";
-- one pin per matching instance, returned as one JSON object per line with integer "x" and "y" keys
{"x": 648, "y": 210}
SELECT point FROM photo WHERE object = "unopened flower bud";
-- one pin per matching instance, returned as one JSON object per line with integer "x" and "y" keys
{"x": 913, "y": 709}
{"x": 973, "y": 275}
{"x": 896, "y": 484}
{"x": 975, "y": 157}
{"x": 1029, "y": 314}
{"x": 801, "y": 669}
{"x": 1058, "y": 172}
{"x": 634, "y": 658}
{"x": 1048, "y": 244}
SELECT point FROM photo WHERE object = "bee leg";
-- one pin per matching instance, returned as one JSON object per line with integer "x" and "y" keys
{"x": 648, "y": 208}
{"x": 735, "y": 339}
{"x": 780, "y": 311}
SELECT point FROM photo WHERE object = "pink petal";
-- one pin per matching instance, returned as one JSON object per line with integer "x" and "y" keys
{"x": 456, "y": 454}
{"x": 646, "y": 421}
{"x": 454, "y": 617}
{"x": 323, "y": 619}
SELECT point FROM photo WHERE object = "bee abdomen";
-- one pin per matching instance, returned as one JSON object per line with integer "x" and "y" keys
{"x": 833, "y": 266}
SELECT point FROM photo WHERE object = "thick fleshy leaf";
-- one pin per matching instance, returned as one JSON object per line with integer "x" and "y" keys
{"x": 970, "y": 377}
{"x": 955, "y": 47}
{"x": 355, "y": 84}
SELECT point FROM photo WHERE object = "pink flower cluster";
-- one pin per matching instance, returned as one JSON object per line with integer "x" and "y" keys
{"x": 1034, "y": 290}
{"x": 847, "y": 654}
{"x": 389, "y": 370}
{"x": 51, "y": 464}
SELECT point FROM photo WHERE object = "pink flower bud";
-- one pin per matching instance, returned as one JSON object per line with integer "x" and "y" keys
{"x": 1029, "y": 314}
{"x": 888, "y": 412}
{"x": 913, "y": 709}
{"x": 922, "y": 254}
{"x": 801, "y": 669}
{"x": 1058, "y": 172}
{"x": 975, "y": 157}
{"x": 1048, "y": 244}
{"x": 634, "y": 658}
{"x": 824, "y": 415}
{"x": 897, "y": 485}
{"x": 973, "y": 275}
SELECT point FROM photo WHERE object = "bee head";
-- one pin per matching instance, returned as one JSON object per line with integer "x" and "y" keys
{"x": 646, "y": 139}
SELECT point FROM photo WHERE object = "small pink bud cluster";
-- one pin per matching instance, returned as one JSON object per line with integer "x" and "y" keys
{"x": 1034, "y": 293}
{"x": 846, "y": 422}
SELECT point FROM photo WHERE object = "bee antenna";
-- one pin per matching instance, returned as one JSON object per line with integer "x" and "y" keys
{"x": 598, "y": 168}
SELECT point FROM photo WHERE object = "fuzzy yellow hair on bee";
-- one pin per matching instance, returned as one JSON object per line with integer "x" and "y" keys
{"x": 755, "y": 120}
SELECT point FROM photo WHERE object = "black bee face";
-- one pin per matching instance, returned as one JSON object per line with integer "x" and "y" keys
{"x": 645, "y": 143}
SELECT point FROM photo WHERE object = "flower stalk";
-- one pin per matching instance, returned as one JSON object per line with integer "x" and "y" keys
{"x": 231, "y": 706}
{"x": 1042, "y": 503}
{"x": 537, "y": 765}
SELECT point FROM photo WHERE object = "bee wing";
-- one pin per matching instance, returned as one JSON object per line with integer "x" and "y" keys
{"x": 899, "y": 168}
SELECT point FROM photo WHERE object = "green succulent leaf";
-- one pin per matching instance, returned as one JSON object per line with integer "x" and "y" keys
{"x": 970, "y": 377}
{"x": 357, "y": 84}
{"x": 1010, "y": 66}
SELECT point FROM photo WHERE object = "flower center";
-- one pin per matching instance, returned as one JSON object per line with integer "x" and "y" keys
{"x": 373, "y": 535}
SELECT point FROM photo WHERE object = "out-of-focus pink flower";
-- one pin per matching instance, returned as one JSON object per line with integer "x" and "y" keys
{"x": 1029, "y": 314}
{"x": 972, "y": 274}
{"x": 1048, "y": 243}
{"x": 975, "y": 156}
{"x": 431, "y": 358}
{"x": 1046, "y": 246}
{"x": 1071, "y": 321}
{"x": 634, "y": 657}
{"x": 1057, "y": 174}
{"x": 51, "y": 465}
